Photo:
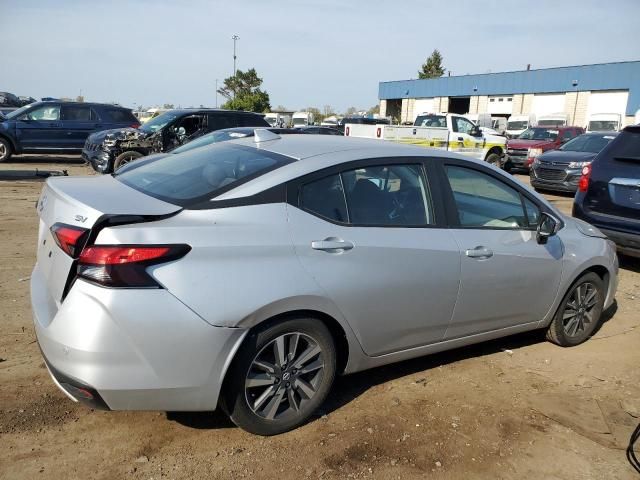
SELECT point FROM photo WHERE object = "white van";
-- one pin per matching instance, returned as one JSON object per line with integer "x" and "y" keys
{"x": 604, "y": 122}
{"x": 516, "y": 124}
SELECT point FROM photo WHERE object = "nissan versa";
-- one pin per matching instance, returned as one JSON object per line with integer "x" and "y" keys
{"x": 246, "y": 274}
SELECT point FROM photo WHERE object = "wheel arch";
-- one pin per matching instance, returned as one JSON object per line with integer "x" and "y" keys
{"x": 12, "y": 143}
{"x": 495, "y": 149}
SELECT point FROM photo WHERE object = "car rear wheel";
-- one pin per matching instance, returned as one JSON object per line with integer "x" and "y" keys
{"x": 280, "y": 376}
{"x": 5, "y": 150}
{"x": 124, "y": 158}
{"x": 579, "y": 313}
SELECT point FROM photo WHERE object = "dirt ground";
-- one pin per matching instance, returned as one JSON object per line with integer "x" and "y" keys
{"x": 518, "y": 407}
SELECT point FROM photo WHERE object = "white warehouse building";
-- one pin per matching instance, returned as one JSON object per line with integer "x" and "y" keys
{"x": 576, "y": 92}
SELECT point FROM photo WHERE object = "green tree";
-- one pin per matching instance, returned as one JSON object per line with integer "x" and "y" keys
{"x": 374, "y": 110}
{"x": 243, "y": 92}
{"x": 432, "y": 68}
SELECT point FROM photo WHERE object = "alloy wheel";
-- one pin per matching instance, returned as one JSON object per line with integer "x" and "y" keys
{"x": 125, "y": 160}
{"x": 3, "y": 151}
{"x": 284, "y": 376}
{"x": 578, "y": 311}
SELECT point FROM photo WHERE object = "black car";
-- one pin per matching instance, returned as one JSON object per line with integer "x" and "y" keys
{"x": 58, "y": 127}
{"x": 608, "y": 194}
{"x": 320, "y": 130}
{"x": 109, "y": 150}
{"x": 561, "y": 169}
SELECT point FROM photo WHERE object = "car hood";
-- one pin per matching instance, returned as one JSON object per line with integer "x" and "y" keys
{"x": 518, "y": 143}
{"x": 117, "y": 134}
{"x": 560, "y": 156}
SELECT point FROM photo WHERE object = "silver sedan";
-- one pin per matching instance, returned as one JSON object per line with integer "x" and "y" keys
{"x": 247, "y": 274}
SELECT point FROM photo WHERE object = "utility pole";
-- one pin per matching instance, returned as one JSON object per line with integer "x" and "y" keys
{"x": 235, "y": 38}
{"x": 575, "y": 105}
{"x": 216, "y": 93}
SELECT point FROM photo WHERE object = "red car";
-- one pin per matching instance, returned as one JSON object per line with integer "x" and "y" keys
{"x": 521, "y": 151}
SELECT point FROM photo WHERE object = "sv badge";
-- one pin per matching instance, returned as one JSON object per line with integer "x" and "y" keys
{"x": 80, "y": 218}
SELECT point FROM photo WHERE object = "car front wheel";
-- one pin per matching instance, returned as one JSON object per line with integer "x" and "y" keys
{"x": 280, "y": 376}
{"x": 5, "y": 150}
{"x": 579, "y": 313}
{"x": 124, "y": 158}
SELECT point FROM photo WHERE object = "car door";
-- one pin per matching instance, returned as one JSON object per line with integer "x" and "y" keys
{"x": 40, "y": 128}
{"x": 77, "y": 124}
{"x": 507, "y": 278}
{"x": 371, "y": 236}
{"x": 461, "y": 141}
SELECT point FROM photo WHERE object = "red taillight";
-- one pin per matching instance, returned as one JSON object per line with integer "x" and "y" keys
{"x": 126, "y": 265}
{"x": 69, "y": 238}
{"x": 98, "y": 255}
{"x": 583, "y": 184}
{"x": 134, "y": 125}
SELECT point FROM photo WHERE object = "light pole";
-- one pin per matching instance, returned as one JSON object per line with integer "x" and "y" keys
{"x": 216, "y": 93}
{"x": 235, "y": 38}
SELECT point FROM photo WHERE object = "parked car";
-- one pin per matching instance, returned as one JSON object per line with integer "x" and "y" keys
{"x": 522, "y": 150}
{"x": 561, "y": 169}
{"x": 54, "y": 127}
{"x": 609, "y": 191}
{"x": 247, "y": 274}
{"x": 223, "y": 135}
{"x": 108, "y": 150}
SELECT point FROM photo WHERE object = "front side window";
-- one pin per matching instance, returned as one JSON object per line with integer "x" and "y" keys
{"x": 201, "y": 174}
{"x": 48, "y": 112}
{"x": 483, "y": 201}
{"x": 462, "y": 125}
{"x": 380, "y": 195}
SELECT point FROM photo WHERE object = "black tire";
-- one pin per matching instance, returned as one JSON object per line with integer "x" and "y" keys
{"x": 125, "y": 157}
{"x": 560, "y": 330}
{"x": 5, "y": 150}
{"x": 494, "y": 159}
{"x": 259, "y": 345}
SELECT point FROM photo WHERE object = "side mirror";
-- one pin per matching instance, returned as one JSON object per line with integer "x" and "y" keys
{"x": 548, "y": 225}
{"x": 475, "y": 132}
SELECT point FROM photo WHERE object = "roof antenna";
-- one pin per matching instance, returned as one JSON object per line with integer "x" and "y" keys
{"x": 264, "y": 135}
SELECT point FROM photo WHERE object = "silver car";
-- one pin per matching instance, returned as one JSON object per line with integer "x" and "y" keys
{"x": 247, "y": 274}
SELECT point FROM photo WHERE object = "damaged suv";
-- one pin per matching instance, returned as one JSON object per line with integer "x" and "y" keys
{"x": 109, "y": 150}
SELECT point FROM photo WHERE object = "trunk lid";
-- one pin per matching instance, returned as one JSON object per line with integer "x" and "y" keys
{"x": 84, "y": 202}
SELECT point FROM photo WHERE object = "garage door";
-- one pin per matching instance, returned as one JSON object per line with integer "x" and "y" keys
{"x": 422, "y": 105}
{"x": 613, "y": 101}
{"x": 544, "y": 104}
{"x": 500, "y": 105}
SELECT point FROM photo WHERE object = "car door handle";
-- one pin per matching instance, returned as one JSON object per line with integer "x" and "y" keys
{"x": 332, "y": 244}
{"x": 460, "y": 139}
{"x": 479, "y": 252}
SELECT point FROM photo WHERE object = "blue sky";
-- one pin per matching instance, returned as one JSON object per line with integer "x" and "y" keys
{"x": 309, "y": 52}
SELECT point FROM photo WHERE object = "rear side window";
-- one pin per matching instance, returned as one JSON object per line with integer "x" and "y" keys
{"x": 252, "y": 121}
{"x": 379, "y": 195}
{"x": 218, "y": 121}
{"x": 117, "y": 115}
{"x": 201, "y": 174}
{"x": 76, "y": 113}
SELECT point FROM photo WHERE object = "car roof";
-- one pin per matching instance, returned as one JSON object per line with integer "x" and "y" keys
{"x": 87, "y": 104}
{"x": 212, "y": 110}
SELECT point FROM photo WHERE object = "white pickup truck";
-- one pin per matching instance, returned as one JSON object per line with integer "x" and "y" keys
{"x": 449, "y": 131}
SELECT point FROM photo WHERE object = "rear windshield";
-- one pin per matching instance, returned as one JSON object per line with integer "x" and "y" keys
{"x": 201, "y": 174}
{"x": 214, "y": 137}
{"x": 117, "y": 115}
{"x": 626, "y": 148}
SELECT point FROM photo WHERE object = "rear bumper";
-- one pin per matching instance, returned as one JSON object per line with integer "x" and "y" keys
{"x": 626, "y": 243}
{"x": 131, "y": 349}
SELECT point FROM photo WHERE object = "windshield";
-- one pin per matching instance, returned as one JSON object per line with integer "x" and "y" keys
{"x": 18, "y": 112}
{"x": 299, "y": 121}
{"x": 158, "y": 122}
{"x": 587, "y": 143}
{"x": 201, "y": 174}
{"x": 538, "y": 134}
{"x": 517, "y": 125}
{"x": 603, "y": 126}
{"x": 551, "y": 123}
{"x": 438, "y": 121}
